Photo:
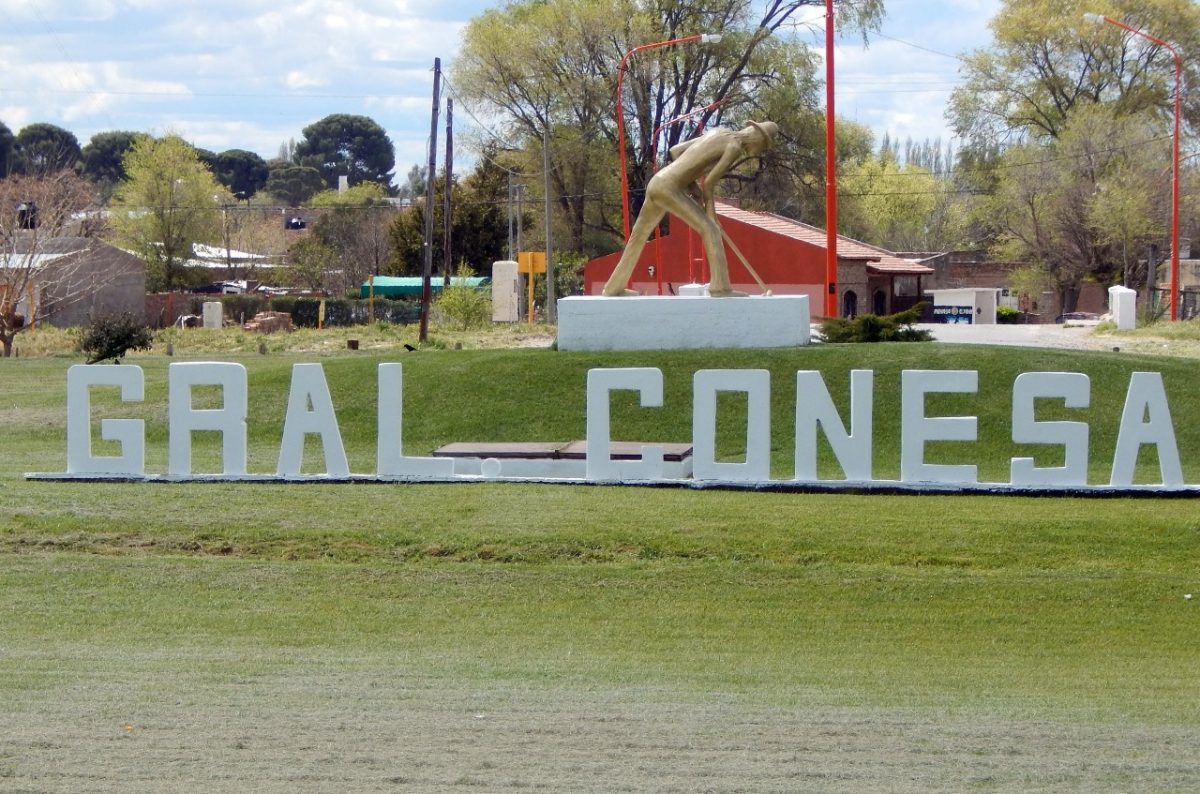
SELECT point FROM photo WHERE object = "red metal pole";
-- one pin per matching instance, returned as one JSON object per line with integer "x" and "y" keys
{"x": 621, "y": 116}
{"x": 1175, "y": 191}
{"x": 831, "y": 268}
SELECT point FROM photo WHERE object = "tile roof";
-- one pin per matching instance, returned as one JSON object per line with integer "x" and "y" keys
{"x": 878, "y": 259}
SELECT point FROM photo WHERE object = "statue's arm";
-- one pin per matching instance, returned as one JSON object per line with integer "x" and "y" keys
{"x": 732, "y": 153}
{"x": 680, "y": 148}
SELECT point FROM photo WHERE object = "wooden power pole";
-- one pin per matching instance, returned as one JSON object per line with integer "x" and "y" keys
{"x": 427, "y": 272}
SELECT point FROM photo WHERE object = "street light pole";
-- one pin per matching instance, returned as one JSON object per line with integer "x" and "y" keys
{"x": 704, "y": 38}
{"x": 1100, "y": 19}
{"x": 831, "y": 260}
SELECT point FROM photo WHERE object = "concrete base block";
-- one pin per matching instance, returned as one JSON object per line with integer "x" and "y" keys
{"x": 654, "y": 322}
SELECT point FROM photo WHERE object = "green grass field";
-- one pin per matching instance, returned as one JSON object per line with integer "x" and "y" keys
{"x": 239, "y": 637}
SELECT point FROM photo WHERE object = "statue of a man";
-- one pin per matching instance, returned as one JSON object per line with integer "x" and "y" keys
{"x": 685, "y": 188}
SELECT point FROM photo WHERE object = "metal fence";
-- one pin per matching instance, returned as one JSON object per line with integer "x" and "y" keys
{"x": 1189, "y": 302}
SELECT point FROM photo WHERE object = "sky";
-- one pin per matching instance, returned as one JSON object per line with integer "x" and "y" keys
{"x": 251, "y": 74}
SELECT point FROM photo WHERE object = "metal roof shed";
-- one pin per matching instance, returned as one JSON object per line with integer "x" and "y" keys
{"x": 410, "y": 286}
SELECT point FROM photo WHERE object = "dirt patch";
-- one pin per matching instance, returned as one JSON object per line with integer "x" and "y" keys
{"x": 300, "y": 722}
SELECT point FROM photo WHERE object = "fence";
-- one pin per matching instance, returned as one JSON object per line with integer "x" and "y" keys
{"x": 1189, "y": 302}
{"x": 166, "y": 309}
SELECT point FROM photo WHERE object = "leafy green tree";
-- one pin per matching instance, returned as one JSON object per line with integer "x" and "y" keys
{"x": 243, "y": 173}
{"x": 354, "y": 225}
{"x": 461, "y": 306}
{"x": 1068, "y": 130}
{"x": 311, "y": 263}
{"x": 1046, "y": 61}
{"x": 1072, "y": 208}
{"x": 169, "y": 201}
{"x": 900, "y": 207}
{"x": 44, "y": 149}
{"x": 414, "y": 184}
{"x": 347, "y": 145}
{"x": 103, "y": 158}
{"x": 478, "y": 228}
{"x": 293, "y": 184}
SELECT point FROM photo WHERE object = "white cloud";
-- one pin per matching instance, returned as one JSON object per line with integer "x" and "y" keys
{"x": 298, "y": 80}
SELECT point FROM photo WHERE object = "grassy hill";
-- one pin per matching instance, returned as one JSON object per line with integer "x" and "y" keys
{"x": 539, "y": 395}
{"x": 595, "y": 638}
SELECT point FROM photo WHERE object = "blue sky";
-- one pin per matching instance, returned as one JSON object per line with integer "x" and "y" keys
{"x": 252, "y": 73}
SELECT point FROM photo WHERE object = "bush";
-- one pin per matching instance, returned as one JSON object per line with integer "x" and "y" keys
{"x": 114, "y": 335}
{"x": 1006, "y": 315}
{"x": 346, "y": 311}
{"x": 463, "y": 307}
{"x": 874, "y": 328}
{"x": 241, "y": 308}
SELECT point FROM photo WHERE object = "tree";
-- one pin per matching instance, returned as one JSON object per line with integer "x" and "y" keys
{"x": 243, "y": 173}
{"x": 7, "y": 150}
{"x": 1046, "y": 61}
{"x": 311, "y": 263}
{"x": 293, "y": 184}
{"x": 1074, "y": 207}
{"x": 44, "y": 149}
{"x": 899, "y": 207}
{"x": 354, "y": 227}
{"x": 36, "y": 276}
{"x": 551, "y": 66}
{"x": 103, "y": 158}
{"x": 346, "y": 145}
{"x": 478, "y": 228}
{"x": 1068, "y": 131}
{"x": 414, "y": 184}
{"x": 169, "y": 201}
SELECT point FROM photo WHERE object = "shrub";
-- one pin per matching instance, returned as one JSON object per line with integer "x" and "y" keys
{"x": 463, "y": 307}
{"x": 114, "y": 335}
{"x": 875, "y": 328}
{"x": 1007, "y": 315}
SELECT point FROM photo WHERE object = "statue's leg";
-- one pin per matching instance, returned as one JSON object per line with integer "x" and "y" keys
{"x": 707, "y": 227}
{"x": 647, "y": 219}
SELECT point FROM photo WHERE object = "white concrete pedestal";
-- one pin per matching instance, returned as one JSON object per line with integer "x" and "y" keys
{"x": 214, "y": 314}
{"x": 659, "y": 322}
{"x": 1122, "y": 304}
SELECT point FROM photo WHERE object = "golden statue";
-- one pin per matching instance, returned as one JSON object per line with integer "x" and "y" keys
{"x": 686, "y": 188}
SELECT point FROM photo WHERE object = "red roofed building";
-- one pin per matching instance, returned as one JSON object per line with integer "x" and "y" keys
{"x": 789, "y": 256}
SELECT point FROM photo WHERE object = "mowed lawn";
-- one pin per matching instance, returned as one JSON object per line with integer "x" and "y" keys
{"x": 237, "y": 637}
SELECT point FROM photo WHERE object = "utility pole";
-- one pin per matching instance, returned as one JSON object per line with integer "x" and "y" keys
{"x": 427, "y": 272}
{"x": 551, "y": 307}
{"x": 511, "y": 253}
{"x": 446, "y": 203}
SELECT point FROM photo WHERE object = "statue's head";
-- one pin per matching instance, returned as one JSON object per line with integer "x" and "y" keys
{"x": 763, "y": 135}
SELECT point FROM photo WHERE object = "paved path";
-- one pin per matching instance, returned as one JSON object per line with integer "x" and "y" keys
{"x": 1073, "y": 336}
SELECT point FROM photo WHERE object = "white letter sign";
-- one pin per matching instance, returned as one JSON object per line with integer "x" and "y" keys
{"x": 648, "y": 382}
{"x": 814, "y": 406}
{"x": 917, "y": 429}
{"x": 310, "y": 410}
{"x": 129, "y": 433}
{"x": 229, "y": 420}
{"x": 1075, "y": 390}
{"x": 756, "y": 383}
{"x": 390, "y": 460}
{"x": 1146, "y": 420}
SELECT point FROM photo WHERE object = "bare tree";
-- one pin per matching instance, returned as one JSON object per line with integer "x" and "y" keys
{"x": 44, "y": 236}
